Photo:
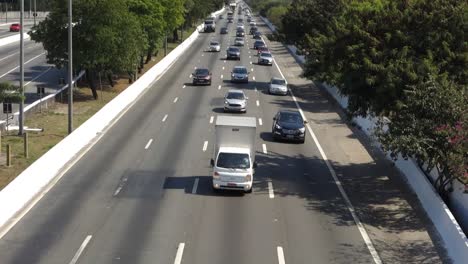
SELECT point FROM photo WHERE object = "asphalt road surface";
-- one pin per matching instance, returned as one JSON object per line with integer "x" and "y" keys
{"x": 143, "y": 193}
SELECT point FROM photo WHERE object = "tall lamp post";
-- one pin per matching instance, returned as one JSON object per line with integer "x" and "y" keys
{"x": 70, "y": 70}
{"x": 35, "y": 13}
{"x": 21, "y": 105}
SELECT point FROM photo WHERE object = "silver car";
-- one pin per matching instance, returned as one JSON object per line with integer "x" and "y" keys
{"x": 235, "y": 100}
{"x": 278, "y": 86}
{"x": 215, "y": 46}
{"x": 239, "y": 41}
{"x": 265, "y": 58}
{"x": 240, "y": 74}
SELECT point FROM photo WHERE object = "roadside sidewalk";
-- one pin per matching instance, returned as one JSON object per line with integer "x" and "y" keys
{"x": 390, "y": 212}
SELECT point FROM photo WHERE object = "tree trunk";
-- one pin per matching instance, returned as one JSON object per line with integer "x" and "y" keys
{"x": 90, "y": 76}
{"x": 175, "y": 35}
{"x": 109, "y": 78}
{"x": 149, "y": 53}
{"x": 142, "y": 64}
{"x": 130, "y": 77}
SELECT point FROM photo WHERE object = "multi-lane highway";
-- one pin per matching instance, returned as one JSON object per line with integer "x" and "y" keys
{"x": 37, "y": 71}
{"x": 142, "y": 193}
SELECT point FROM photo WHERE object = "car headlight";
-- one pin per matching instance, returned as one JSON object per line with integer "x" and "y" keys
{"x": 248, "y": 177}
{"x": 226, "y": 102}
{"x": 277, "y": 126}
{"x": 302, "y": 130}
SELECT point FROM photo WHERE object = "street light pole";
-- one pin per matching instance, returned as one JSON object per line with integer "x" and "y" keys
{"x": 70, "y": 69}
{"x": 21, "y": 106}
{"x": 35, "y": 13}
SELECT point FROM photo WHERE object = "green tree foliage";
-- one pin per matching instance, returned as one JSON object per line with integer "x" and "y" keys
{"x": 431, "y": 126}
{"x": 276, "y": 13}
{"x": 10, "y": 93}
{"x": 380, "y": 53}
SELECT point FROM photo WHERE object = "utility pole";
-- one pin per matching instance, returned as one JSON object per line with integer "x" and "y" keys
{"x": 29, "y": 9}
{"x": 21, "y": 106}
{"x": 70, "y": 69}
{"x": 35, "y": 13}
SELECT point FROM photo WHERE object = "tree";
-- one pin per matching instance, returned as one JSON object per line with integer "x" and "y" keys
{"x": 276, "y": 13}
{"x": 174, "y": 11}
{"x": 432, "y": 127}
{"x": 106, "y": 37}
{"x": 10, "y": 93}
{"x": 150, "y": 15}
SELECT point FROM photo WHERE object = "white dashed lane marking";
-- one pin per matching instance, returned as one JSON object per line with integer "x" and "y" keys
{"x": 164, "y": 118}
{"x": 205, "y": 146}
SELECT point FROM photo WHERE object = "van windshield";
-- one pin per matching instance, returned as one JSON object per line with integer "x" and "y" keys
{"x": 233, "y": 161}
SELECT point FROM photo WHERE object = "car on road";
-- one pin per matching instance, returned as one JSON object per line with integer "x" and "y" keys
{"x": 240, "y": 26}
{"x": 224, "y": 30}
{"x": 253, "y": 30}
{"x": 239, "y": 41}
{"x": 289, "y": 125}
{"x": 265, "y": 58}
{"x": 240, "y": 74}
{"x": 252, "y": 24}
{"x": 233, "y": 53}
{"x": 215, "y": 46}
{"x": 262, "y": 50}
{"x": 209, "y": 26}
{"x": 278, "y": 86}
{"x": 221, "y": 17}
{"x": 249, "y": 19}
{"x": 257, "y": 35}
{"x": 230, "y": 20}
{"x": 240, "y": 32}
{"x": 201, "y": 76}
{"x": 240, "y": 20}
{"x": 258, "y": 44}
{"x": 235, "y": 100}
{"x": 15, "y": 27}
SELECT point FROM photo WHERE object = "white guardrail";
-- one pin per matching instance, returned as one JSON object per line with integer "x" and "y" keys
{"x": 17, "y": 195}
{"x": 455, "y": 240}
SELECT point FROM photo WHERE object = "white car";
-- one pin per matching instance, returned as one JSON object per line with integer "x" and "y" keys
{"x": 235, "y": 100}
{"x": 278, "y": 86}
{"x": 215, "y": 46}
{"x": 265, "y": 58}
{"x": 239, "y": 41}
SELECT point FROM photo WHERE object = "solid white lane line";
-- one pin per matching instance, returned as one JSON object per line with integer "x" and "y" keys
{"x": 271, "y": 192}
{"x": 211, "y": 119}
{"x": 362, "y": 230}
{"x": 260, "y": 121}
{"x": 183, "y": 87}
{"x": 258, "y": 103}
{"x": 222, "y": 76}
{"x": 81, "y": 249}
{"x": 205, "y": 145}
{"x": 264, "y": 148}
{"x": 148, "y": 144}
{"x": 175, "y": 100}
{"x": 1, "y": 76}
{"x": 280, "y": 255}
{"x": 253, "y": 78}
{"x": 195, "y": 186}
{"x": 164, "y": 118}
{"x": 179, "y": 254}
{"x": 4, "y": 58}
{"x": 219, "y": 87}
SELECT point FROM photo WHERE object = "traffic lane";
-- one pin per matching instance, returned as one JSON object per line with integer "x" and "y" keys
{"x": 362, "y": 169}
{"x": 34, "y": 57}
{"x": 5, "y": 29}
{"x": 12, "y": 50}
{"x": 57, "y": 212}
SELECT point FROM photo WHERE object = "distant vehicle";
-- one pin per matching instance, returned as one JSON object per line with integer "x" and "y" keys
{"x": 257, "y": 35}
{"x": 278, "y": 86}
{"x": 230, "y": 20}
{"x": 15, "y": 27}
{"x": 224, "y": 30}
{"x": 240, "y": 74}
{"x": 234, "y": 153}
{"x": 288, "y": 125}
{"x": 239, "y": 41}
{"x": 265, "y": 58}
{"x": 215, "y": 46}
{"x": 258, "y": 44}
{"x": 209, "y": 26}
{"x": 240, "y": 32}
{"x": 240, "y": 26}
{"x": 252, "y": 24}
{"x": 240, "y": 20}
{"x": 233, "y": 53}
{"x": 249, "y": 19}
{"x": 253, "y": 30}
{"x": 221, "y": 16}
{"x": 235, "y": 100}
{"x": 201, "y": 76}
{"x": 262, "y": 49}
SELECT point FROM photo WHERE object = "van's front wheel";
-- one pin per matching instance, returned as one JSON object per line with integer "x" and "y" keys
{"x": 249, "y": 190}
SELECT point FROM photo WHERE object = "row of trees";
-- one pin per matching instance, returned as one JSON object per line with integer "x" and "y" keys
{"x": 402, "y": 59}
{"x": 115, "y": 36}
{"x": 274, "y": 10}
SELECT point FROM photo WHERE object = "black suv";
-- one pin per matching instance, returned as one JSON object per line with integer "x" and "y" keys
{"x": 233, "y": 53}
{"x": 289, "y": 125}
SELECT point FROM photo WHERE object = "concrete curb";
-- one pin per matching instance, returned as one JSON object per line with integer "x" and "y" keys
{"x": 455, "y": 240}
{"x": 31, "y": 183}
